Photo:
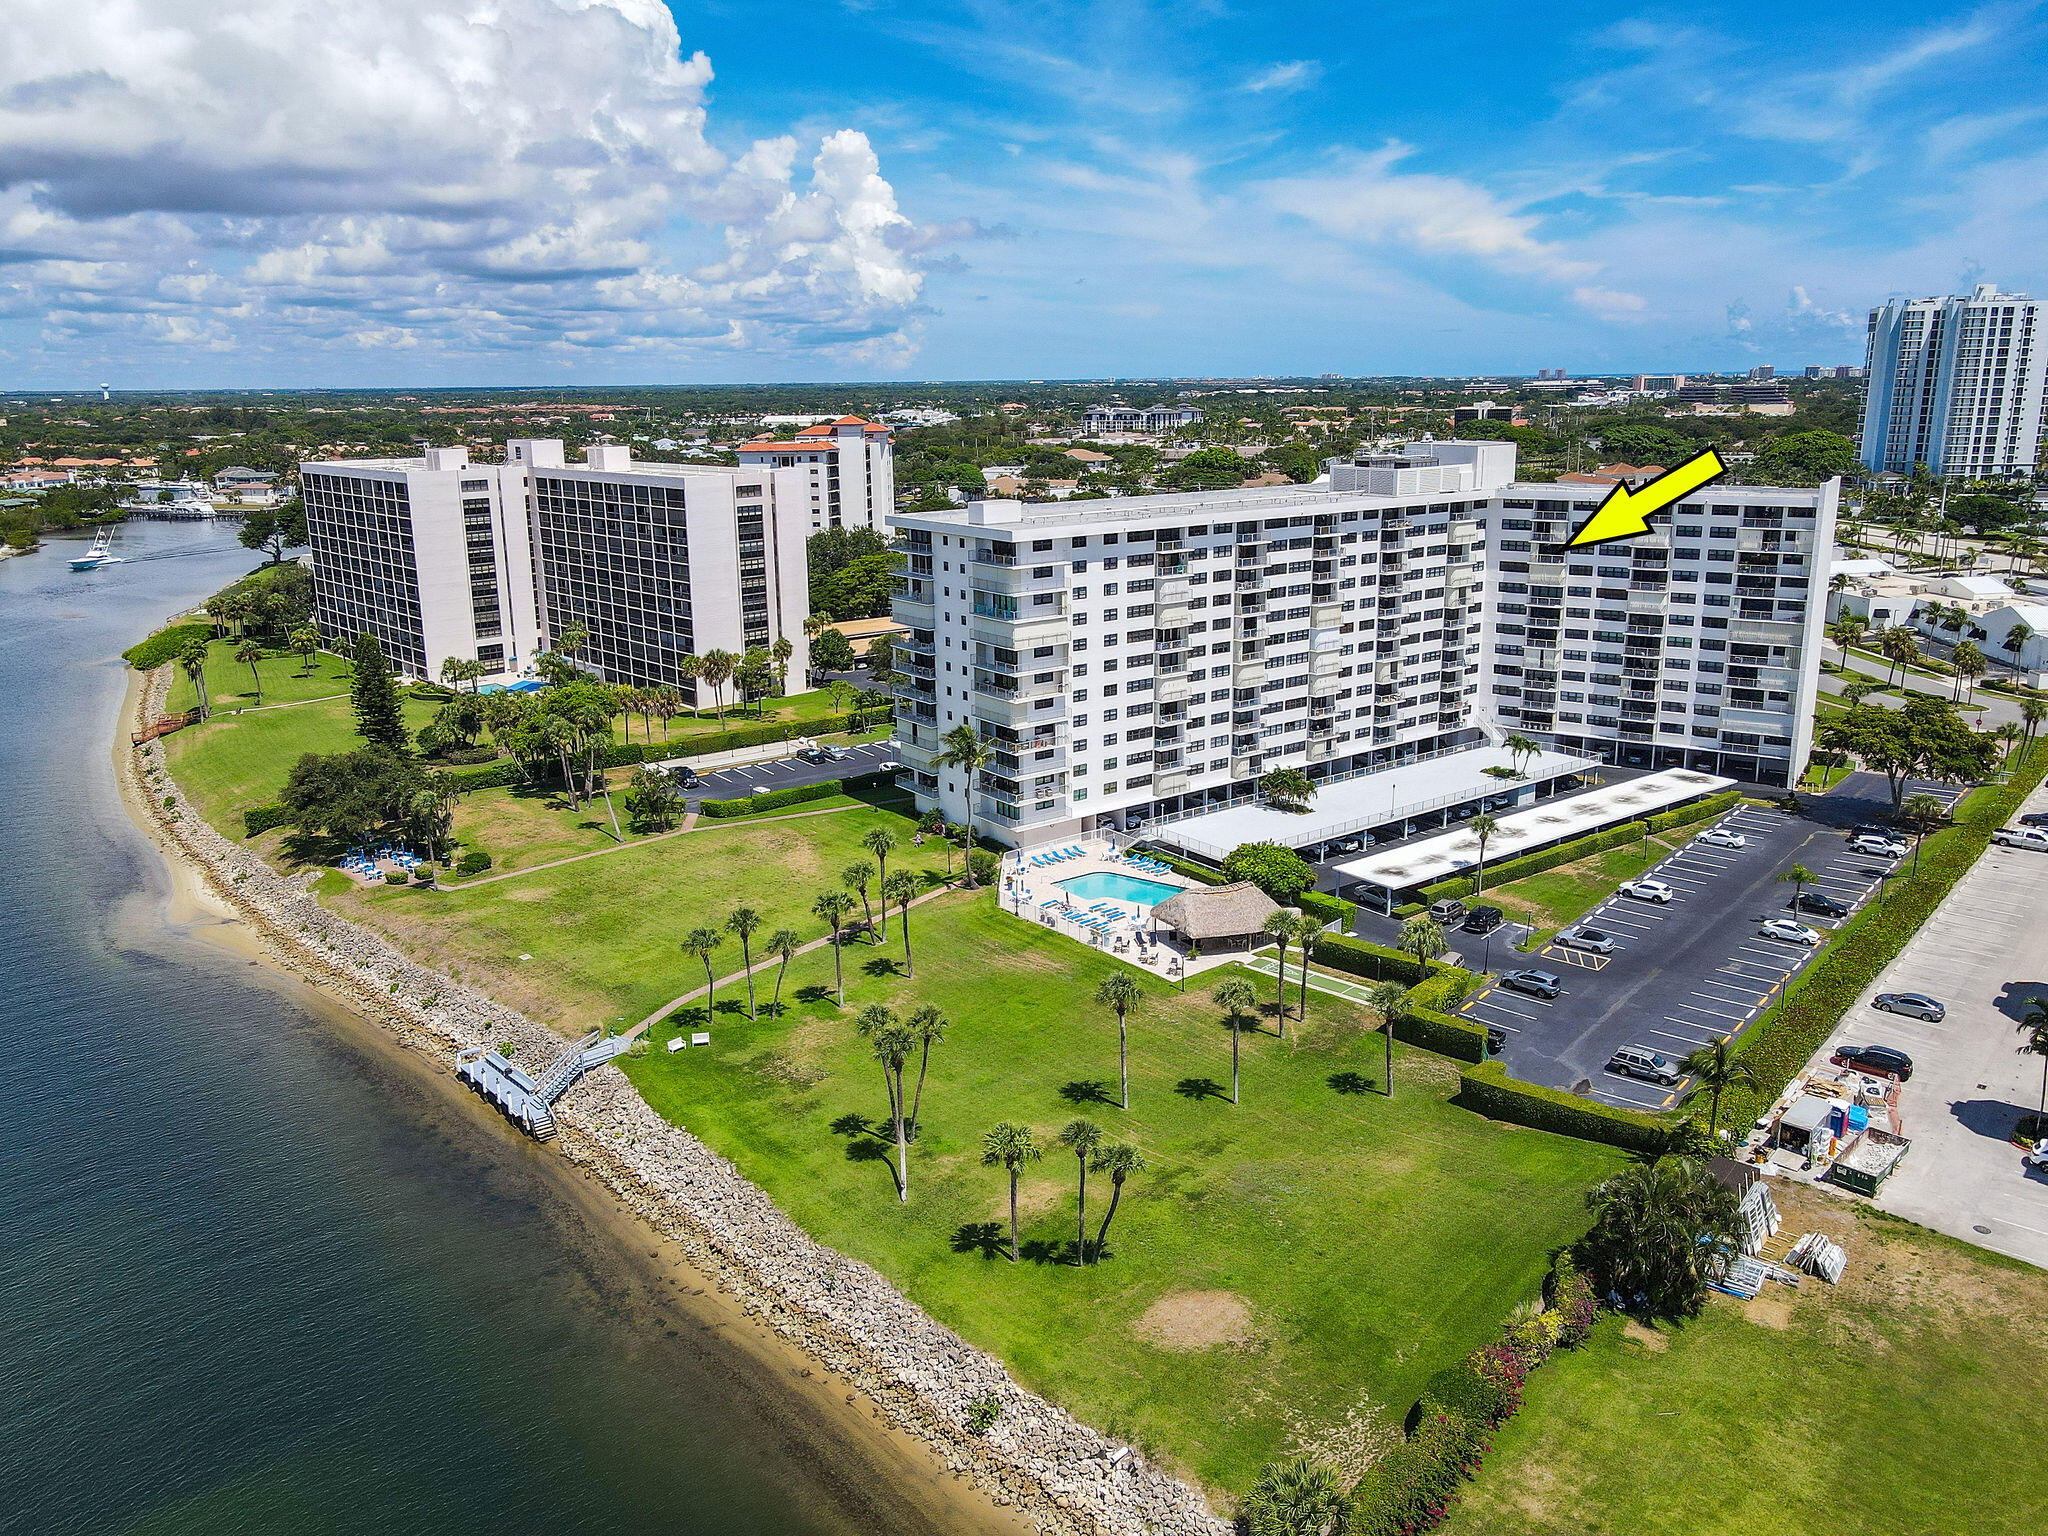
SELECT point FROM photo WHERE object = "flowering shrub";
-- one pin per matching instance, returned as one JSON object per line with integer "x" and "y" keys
{"x": 1412, "y": 1487}
{"x": 1572, "y": 1299}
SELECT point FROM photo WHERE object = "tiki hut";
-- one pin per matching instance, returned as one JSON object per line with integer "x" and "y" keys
{"x": 1218, "y": 916}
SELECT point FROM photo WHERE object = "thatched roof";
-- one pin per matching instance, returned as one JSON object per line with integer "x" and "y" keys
{"x": 1217, "y": 912}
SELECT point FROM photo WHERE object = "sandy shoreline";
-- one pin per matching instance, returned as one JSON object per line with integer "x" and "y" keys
{"x": 790, "y": 1305}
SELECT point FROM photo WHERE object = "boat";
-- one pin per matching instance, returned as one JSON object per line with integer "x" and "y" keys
{"x": 102, "y": 553}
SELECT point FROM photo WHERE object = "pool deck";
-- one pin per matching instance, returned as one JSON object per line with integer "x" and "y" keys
{"x": 1033, "y": 891}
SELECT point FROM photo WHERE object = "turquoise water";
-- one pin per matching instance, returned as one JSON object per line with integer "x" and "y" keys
{"x": 1105, "y": 886}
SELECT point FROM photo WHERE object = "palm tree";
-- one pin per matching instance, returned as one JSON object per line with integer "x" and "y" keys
{"x": 701, "y": 942}
{"x": 1519, "y": 747}
{"x": 1714, "y": 1072}
{"x": 1898, "y": 647}
{"x": 1081, "y": 1137}
{"x": 2016, "y": 640}
{"x": 1389, "y": 999}
{"x": 783, "y": 944}
{"x": 1662, "y": 1231}
{"x": 832, "y": 909}
{"x": 967, "y": 751}
{"x": 1280, "y": 926}
{"x": 858, "y": 876}
{"x": 881, "y": 842}
{"x": 1799, "y": 877}
{"x": 2034, "y": 1032}
{"x": 1297, "y": 1497}
{"x": 1010, "y": 1147}
{"x": 1119, "y": 1160}
{"x": 1422, "y": 937}
{"x": 1288, "y": 788}
{"x": 1482, "y": 826}
{"x": 1119, "y": 992}
{"x": 306, "y": 641}
{"x": 2033, "y": 712}
{"x": 901, "y": 888}
{"x": 1238, "y": 1002}
{"x": 929, "y": 1025}
{"x": 871, "y": 1021}
{"x": 192, "y": 661}
{"x": 743, "y": 924}
{"x": 1924, "y": 808}
{"x": 1845, "y": 631}
{"x": 816, "y": 624}
{"x": 891, "y": 1045}
{"x": 717, "y": 668}
{"x": 779, "y": 653}
{"x": 688, "y": 669}
{"x": 248, "y": 653}
{"x": 1305, "y": 930}
{"x": 1969, "y": 663}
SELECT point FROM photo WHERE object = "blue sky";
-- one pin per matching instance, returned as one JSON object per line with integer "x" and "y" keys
{"x": 993, "y": 190}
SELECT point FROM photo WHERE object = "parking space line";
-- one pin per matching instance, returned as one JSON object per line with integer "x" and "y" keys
{"x": 1717, "y": 1013}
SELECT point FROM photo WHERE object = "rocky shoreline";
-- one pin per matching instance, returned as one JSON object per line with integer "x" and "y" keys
{"x": 924, "y": 1379}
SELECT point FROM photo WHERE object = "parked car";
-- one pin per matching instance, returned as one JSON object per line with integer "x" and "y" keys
{"x": 1874, "y": 829}
{"x": 1885, "y": 845}
{"x": 1482, "y": 920}
{"x": 1641, "y": 1061}
{"x": 1881, "y": 1059}
{"x": 685, "y": 777}
{"x": 1915, "y": 1005}
{"x": 2035, "y": 819}
{"x": 2022, "y": 837}
{"x": 1821, "y": 904}
{"x": 1787, "y": 931}
{"x": 1496, "y": 1039}
{"x": 1535, "y": 983}
{"x": 1648, "y": 890}
{"x": 814, "y": 755}
{"x": 888, "y": 765}
{"x": 1593, "y": 940}
{"x": 1721, "y": 837}
{"x": 1449, "y": 910}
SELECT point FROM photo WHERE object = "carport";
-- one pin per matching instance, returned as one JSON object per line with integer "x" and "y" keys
{"x": 1387, "y": 880}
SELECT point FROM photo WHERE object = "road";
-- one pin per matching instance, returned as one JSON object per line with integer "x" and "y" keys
{"x": 1984, "y": 711}
{"x": 1984, "y": 953}
{"x": 1682, "y": 974}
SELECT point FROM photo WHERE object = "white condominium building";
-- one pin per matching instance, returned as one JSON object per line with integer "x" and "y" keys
{"x": 1956, "y": 384}
{"x": 1155, "y": 419}
{"x": 442, "y": 558}
{"x": 430, "y": 555}
{"x": 848, "y": 468}
{"x": 1146, "y": 658}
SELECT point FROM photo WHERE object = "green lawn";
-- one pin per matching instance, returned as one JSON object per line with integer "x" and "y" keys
{"x": 1288, "y": 1271}
{"x": 229, "y": 686}
{"x": 1563, "y": 895}
{"x": 1897, "y": 1404}
{"x": 234, "y": 762}
{"x": 795, "y": 709}
{"x": 604, "y": 934}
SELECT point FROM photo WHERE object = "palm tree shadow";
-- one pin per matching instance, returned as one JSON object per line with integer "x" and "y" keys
{"x": 815, "y": 993}
{"x": 883, "y": 965}
{"x": 1039, "y": 1251}
{"x": 1087, "y": 1092}
{"x": 1351, "y": 1082}
{"x": 984, "y": 1237}
{"x": 1200, "y": 1088}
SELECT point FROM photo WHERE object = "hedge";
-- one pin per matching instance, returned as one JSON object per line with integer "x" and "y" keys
{"x": 1412, "y": 1487}
{"x": 1488, "y": 1090}
{"x": 1421, "y": 1023}
{"x": 1326, "y": 909}
{"x": 1201, "y": 874}
{"x": 490, "y": 776}
{"x": 1444, "y": 1033}
{"x": 757, "y": 735}
{"x": 1779, "y": 1044}
{"x": 775, "y": 799}
{"x": 1537, "y": 863}
{"x": 1343, "y": 953}
{"x": 165, "y": 645}
{"x": 1699, "y": 810}
{"x": 261, "y": 819}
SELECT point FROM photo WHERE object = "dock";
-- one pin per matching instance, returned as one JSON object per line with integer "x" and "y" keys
{"x": 528, "y": 1101}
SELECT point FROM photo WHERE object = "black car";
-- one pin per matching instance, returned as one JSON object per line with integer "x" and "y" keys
{"x": 1875, "y": 1058}
{"x": 1482, "y": 920}
{"x": 2035, "y": 819}
{"x": 1873, "y": 829}
{"x": 685, "y": 778}
{"x": 1822, "y": 903}
{"x": 1535, "y": 983}
{"x": 1496, "y": 1039}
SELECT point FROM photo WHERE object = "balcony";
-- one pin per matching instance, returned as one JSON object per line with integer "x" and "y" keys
{"x": 1326, "y": 615}
{"x": 994, "y": 574}
{"x": 1170, "y": 781}
{"x": 1019, "y": 713}
{"x": 1172, "y": 688}
{"x": 910, "y": 602}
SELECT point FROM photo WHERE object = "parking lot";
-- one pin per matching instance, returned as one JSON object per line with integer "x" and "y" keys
{"x": 791, "y": 773}
{"x": 1682, "y": 973}
{"x": 1984, "y": 955}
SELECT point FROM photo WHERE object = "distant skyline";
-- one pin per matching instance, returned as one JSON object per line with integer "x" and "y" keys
{"x": 227, "y": 193}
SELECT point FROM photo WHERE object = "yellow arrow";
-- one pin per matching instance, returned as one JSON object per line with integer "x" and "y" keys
{"x": 1625, "y": 514}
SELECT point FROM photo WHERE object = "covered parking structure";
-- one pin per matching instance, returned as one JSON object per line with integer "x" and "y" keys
{"x": 1384, "y": 881}
{"x": 1380, "y": 806}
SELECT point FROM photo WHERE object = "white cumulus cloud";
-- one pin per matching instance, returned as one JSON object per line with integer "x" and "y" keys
{"x": 452, "y": 175}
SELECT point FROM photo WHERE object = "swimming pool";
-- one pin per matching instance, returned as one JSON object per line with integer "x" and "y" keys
{"x": 1104, "y": 885}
